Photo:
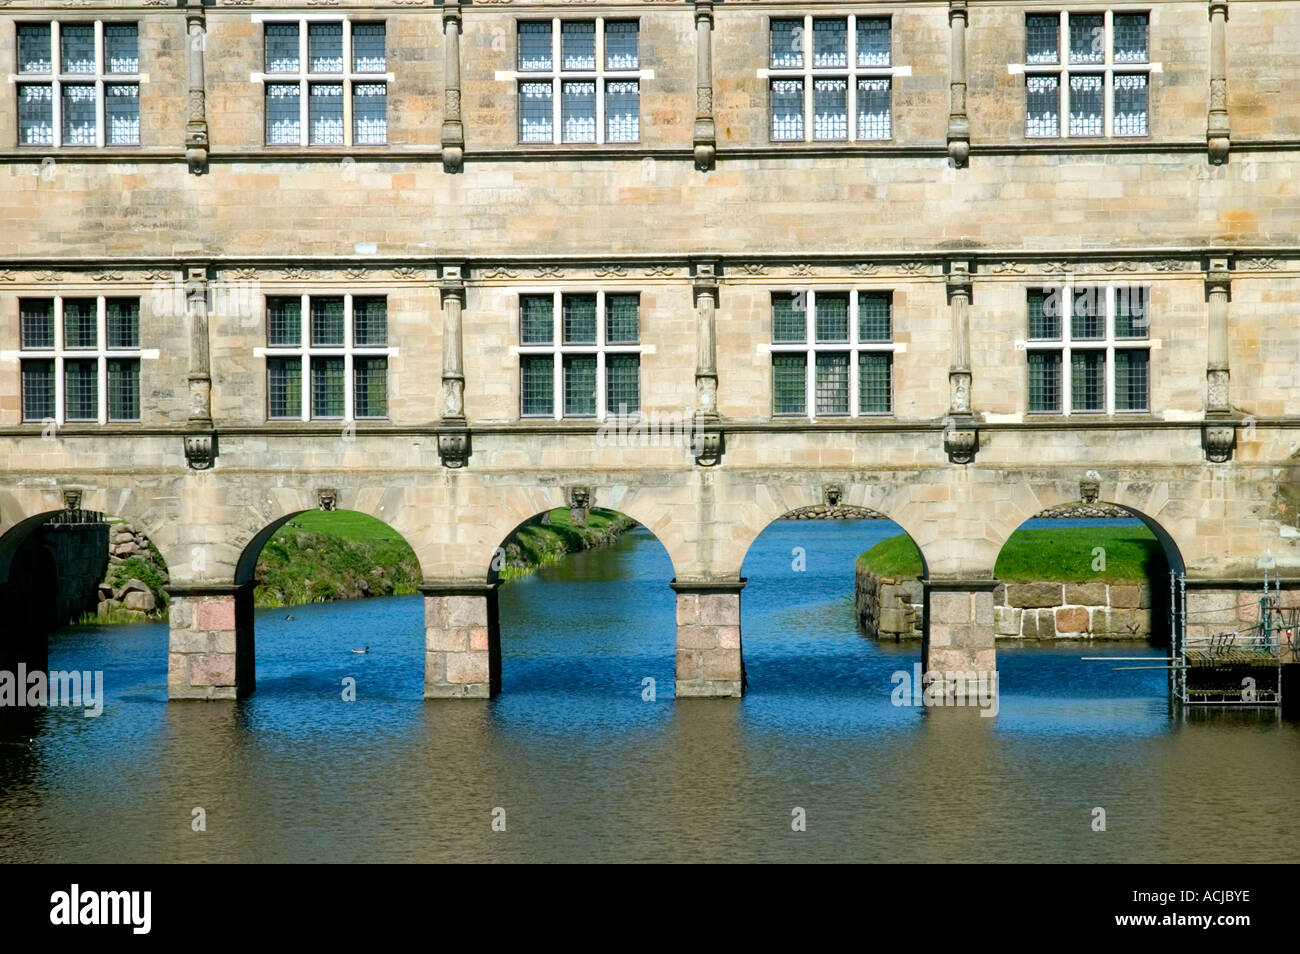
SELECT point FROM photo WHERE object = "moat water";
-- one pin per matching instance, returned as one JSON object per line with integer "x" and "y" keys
{"x": 586, "y": 769}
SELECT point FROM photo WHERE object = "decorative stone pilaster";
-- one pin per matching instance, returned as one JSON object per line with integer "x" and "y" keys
{"x": 200, "y": 437}
{"x": 705, "y": 136}
{"x": 960, "y": 434}
{"x": 708, "y": 432}
{"x": 196, "y": 123}
{"x": 709, "y": 661}
{"x": 210, "y": 652}
{"x": 453, "y": 132}
{"x": 959, "y": 631}
{"x": 1219, "y": 431}
{"x": 462, "y": 640}
{"x": 958, "y": 123}
{"x": 1217, "y": 137}
{"x": 453, "y": 431}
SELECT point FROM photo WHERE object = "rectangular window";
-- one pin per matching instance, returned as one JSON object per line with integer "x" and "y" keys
{"x": 36, "y": 319}
{"x": 80, "y": 323}
{"x": 80, "y": 389}
{"x": 1085, "y": 371}
{"x": 38, "y": 390}
{"x": 853, "y": 102}
{"x": 592, "y": 356}
{"x": 1087, "y": 85}
{"x": 847, "y": 370}
{"x": 123, "y": 322}
{"x": 124, "y": 389}
{"x": 345, "y": 359}
{"x": 301, "y": 108}
{"x": 568, "y": 92}
{"x": 78, "y": 105}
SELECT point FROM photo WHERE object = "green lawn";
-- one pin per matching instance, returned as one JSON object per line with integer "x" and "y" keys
{"x": 1068, "y": 554}
{"x": 348, "y": 524}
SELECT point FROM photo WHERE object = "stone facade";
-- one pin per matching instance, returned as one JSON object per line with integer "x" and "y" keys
{"x": 704, "y": 218}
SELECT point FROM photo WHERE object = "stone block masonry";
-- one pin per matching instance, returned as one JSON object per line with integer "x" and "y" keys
{"x": 709, "y": 661}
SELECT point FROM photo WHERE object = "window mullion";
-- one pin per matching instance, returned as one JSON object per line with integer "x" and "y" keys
{"x": 349, "y": 398}
{"x": 1063, "y": 46}
{"x": 557, "y": 91}
{"x": 101, "y": 109}
{"x": 854, "y": 384}
{"x": 809, "y": 116}
{"x": 851, "y": 82}
{"x": 58, "y": 360}
{"x": 56, "y": 88}
{"x": 557, "y": 335}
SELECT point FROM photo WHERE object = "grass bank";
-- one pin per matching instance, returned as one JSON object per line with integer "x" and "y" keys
{"x": 1068, "y": 555}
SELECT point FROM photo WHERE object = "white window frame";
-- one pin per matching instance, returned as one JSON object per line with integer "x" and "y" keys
{"x": 101, "y": 353}
{"x": 558, "y": 350}
{"x": 57, "y": 79}
{"x": 1063, "y": 69}
{"x": 306, "y": 79}
{"x": 305, "y": 350}
{"x": 850, "y": 73}
{"x": 1066, "y": 345}
{"x": 558, "y": 76}
{"x": 853, "y": 347}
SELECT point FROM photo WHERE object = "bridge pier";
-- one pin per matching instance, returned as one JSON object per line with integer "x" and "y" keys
{"x": 210, "y": 650}
{"x": 462, "y": 640}
{"x": 709, "y": 660}
{"x": 959, "y": 634}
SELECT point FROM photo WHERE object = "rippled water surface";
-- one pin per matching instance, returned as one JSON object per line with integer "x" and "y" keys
{"x": 585, "y": 769}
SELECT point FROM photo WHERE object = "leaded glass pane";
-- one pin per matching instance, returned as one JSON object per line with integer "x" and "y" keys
{"x": 621, "y": 45}
{"x": 874, "y": 316}
{"x": 327, "y": 322}
{"x": 1130, "y": 37}
{"x": 789, "y": 311}
{"x": 78, "y": 53}
{"x": 123, "y": 389}
{"x": 536, "y": 118}
{"x": 122, "y": 47}
{"x": 36, "y": 322}
{"x": 1045, "y": 382}
{"x": 578, "y": 44}
{"x": 1132, "y": 312}
{"x": 873, "y": 41}
{"x": 787, "y": 44}
{"x": 578, "y": 111}
{"x": 369, "y": 114}
{"x": 369, "y": 321}
{"x": 1042, "y": 37}
{"x": 81, "y": 390}
{"x": 830, "y": 109}
{"x": 832, "y": 384}
{"x": 370, "y": 386}
{"x": 122, "y": 113}
{"x": 1088, "y": 314}
{"x": 282, "y": 48}
{"x": 579, "y": 385}
{"x": 34, "y": 48}
{"x": 1130, "y": 104}
{"x": 1044, "y": 314}
{"x": 832, "y": 316}
{"x": 537, "y": 385}
{"x": 283, "y": 119}
{"x": 327, "y": 399}
{"x": 325, "y": 113}
{"x": 623, "y": 384}
{"x": 875, "y": 383}
{"x": 536, "y": 319}
{"x": 284, "y": 322}
{"x": 368, "y": 48}
{"x": 325, "y": 47}
{"x": 79, "y": 116}
{"x": 789, "y": 383}
{"x": 1132, "y": 380}
{"x": 1087, "y": 38}
{"x": 123, "y": 322}
{"x": 1042, "y": 106}
{"x": 622, "y": 319}
{"x": 787, "y": 110}
{"x": 284, "y": 387}
{"x": 534, "y": 46}
{"x": 579, "y": 319}
{"x": 1086, "y": 99}
{"x": 830, "y": 42}
{"x": 35, "y": 115}
{"x": 1087, "y": 381}
{"x": 79, "y": 323}
{"x": 623, "y": 111}
{"x": 38, "y": 390}
{"x": 874, "y": 108}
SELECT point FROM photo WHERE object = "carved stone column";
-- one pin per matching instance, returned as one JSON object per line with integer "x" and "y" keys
{"x": 196, "y": 125}
{"x": 705, "y": 131}
{"x": 1217, "y": 137}
{"x": 958, "y": 123}
{"x": 453, "y": 133}
{"x": 960, "y": 436}
{"x": 1220, "y": 433}
{"x": 707, "y": 444}
{"x": 200, "y": 438}
{"x": 453, "y": 433}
